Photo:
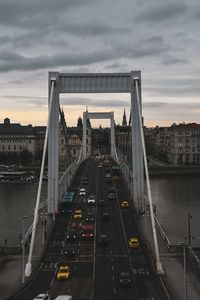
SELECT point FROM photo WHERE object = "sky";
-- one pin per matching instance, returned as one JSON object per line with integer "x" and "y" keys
{"x": 158, "y": 37}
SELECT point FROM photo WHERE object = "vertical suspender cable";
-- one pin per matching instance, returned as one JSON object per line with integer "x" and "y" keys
{"x": 28, "y": 268}
{"x": 158, "y": 262}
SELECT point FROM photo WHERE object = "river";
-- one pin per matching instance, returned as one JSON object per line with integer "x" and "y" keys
{"x": 16, "y": 200}
{"x": 175, "y": 197}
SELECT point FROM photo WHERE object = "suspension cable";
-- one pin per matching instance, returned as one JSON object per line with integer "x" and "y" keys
{"x": 65, "y": 135}
{"x": 28, "y": 268}
{"x": 158, "y": 262}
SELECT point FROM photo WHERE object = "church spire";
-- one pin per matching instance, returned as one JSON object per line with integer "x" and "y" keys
{"x": 124, "y": 122}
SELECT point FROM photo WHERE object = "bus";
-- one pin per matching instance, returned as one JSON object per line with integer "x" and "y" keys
{"x": 67, "y": 202}
{"x": 115, "y": 172}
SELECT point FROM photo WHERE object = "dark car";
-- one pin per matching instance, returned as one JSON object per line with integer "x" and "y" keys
{"x": 70, "y": 252}
{"x": 84, "y": 181}
{"x": 72, "y": 235}
{"x": 102, "y": 202}
{"x": 125, "y": 279}
{"x": 111, "y": 196}
{"x": 109, "y": 180}
{"x": 103, "y": 239}
{"x": 89, "y": 217}
{"x": 105, "y": 216}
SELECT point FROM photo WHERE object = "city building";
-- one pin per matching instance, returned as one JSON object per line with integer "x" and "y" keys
{"x": 24, "y": 143}
{"x": 177, "y": 144}
{"x": 183, "y": 144}
{"x": 20, "y": 142}
{"x": 71, "y": 139}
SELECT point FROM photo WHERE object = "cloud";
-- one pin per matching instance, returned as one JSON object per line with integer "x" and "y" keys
{"x": 160, "y": 38}
{"x": 154, "y": 105}
{"x": 35, "y": 13}
{"x": 158, "y": 12}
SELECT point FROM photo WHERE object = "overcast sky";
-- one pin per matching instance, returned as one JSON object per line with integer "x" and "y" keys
{"x": 159, "y": 37}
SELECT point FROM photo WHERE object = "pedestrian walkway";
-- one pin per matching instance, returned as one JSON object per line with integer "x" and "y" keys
{"x": 173, "y": 277}
{"x": 11, "y": 265}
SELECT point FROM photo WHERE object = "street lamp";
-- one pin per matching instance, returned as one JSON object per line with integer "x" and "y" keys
{"x": 23, "y": 248}
{"x": 184, "y": 271}
{"x": 44, "y": 221}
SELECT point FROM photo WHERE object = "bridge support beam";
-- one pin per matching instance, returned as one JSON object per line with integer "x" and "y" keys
{"x": 84, "y": 144}
{"x": 112, "y": 136}
{"x": 53, "y": 149}
{"x": 137, "y": 153}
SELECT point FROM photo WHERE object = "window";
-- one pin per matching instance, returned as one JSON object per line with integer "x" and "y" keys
{"x": 8, "y": 147}
{"x": 14, "y": 147}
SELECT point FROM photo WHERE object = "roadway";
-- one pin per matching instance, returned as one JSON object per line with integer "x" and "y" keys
{"x": 95, "y": 269}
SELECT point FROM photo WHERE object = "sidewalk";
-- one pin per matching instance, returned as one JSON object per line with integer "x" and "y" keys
{"x": 172, "y": 264}
{"x": 11, "y": 265}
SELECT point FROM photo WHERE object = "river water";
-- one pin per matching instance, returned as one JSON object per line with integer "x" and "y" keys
{"x": 17, "y": 200}
{"x": 174, "y": 196}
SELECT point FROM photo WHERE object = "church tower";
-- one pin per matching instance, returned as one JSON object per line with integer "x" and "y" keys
{"x": 124, "y": 122}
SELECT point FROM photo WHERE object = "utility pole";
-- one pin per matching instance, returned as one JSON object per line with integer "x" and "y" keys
{"x": 23, "y": 248}
{"x": 189, "y": 229}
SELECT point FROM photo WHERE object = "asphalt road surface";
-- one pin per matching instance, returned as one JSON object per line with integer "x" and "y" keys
{"x": 95, "y": 268}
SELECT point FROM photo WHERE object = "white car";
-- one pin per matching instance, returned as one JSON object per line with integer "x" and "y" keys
{"x": 82, "y": 192}
{"x": 91, "y": 200}
{"x": 42, "y": 297}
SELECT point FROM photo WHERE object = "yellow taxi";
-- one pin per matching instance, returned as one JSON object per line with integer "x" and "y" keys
{"x": 63, "y": 272}
{"x": 134, "y": 243}
{"x": 124, "y": 204}
{"x": 78, "y": 215}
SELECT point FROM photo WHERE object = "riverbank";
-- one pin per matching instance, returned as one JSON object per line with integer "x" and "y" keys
{"x": 165, "y": 169}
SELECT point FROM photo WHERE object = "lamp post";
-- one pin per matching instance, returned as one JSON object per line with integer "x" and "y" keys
{"x": 23, "y": 248}
{"x": 184, "y": 271}
{"x": 44, "y": 221}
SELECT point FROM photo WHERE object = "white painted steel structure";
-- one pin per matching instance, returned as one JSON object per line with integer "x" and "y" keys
{"x": 99, "y": 115}
{"x": 93, "y": 83}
